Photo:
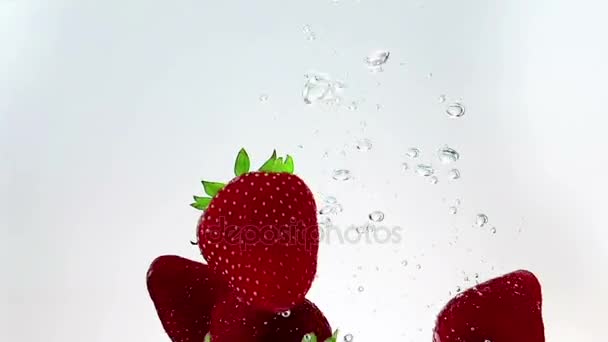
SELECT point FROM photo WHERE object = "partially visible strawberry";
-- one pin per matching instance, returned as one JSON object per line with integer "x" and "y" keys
{"x": 235, "y": 321}
{"x": 183, "y": 292}
{"x": 504, "y": 309}
{"x": 292, "y": 325}
{"x": 232, "y": 321}
{"x": 260, "y": 233}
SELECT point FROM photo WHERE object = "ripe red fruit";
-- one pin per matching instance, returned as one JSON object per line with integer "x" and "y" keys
{"x": 504, "y": 309}
{"x": 183, "y": 292}
{"x": 235, "y": 321}
{"x": 260, "y": 233}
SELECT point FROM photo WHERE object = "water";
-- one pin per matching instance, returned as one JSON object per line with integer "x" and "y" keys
{"x": 455, "y": 110}
{"x": 342, "y": 175}
{"x": 348, "y": 338}
{"x": 376, "y": 59}
{"x": 331, "y": 200}
{"x": 453, "y": 210}
{"x": 434, "y": 180}
{"x": 321, "y": 88}
{"x": 286, "y": 313}
{"x": 405, "y": 166}
{"x": 364, "y": 145}
{"x": 481, "y": 220}
{"x": 360, "y": 289}
{"x": 413, "y": 152}
{"x": 441, "y": 98}
{"x": 308, "y": 32}
{"x": 424, "y": 170}
{"x": 376, "y": 216}
{"x": 447, "y": 155}
{"x": 454, "y": 174}
{"x": 263, "y": 98}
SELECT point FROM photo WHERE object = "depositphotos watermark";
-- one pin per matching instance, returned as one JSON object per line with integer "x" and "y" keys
{"x": 298, "y": 233}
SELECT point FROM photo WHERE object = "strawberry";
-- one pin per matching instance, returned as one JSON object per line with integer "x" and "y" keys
{"x": 234, "y": 320}
{"x": 259, "y": 232}
{"x": 504, "y": 309}
{"x": 183, "y": 292}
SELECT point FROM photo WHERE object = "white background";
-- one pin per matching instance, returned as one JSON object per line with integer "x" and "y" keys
{"x": 112, "y": 111}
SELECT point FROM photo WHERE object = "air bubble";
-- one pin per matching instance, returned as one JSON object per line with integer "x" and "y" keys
{"x": 342, "y": 175}
{"x": 376, "y": 216}
{"x": 455, "y": 110}
{"x": 481, "y": 220}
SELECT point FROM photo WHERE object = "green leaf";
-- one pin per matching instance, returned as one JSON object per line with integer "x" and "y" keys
{"x": 310, "y": 337}
{"x": 289, "y": 165}
{"x": 212, "y": 188}
{"x": 201, "y": 203}
{"x": 208, "y": 337}
{"x": 269, "y": 164}
{"x": 242, "y": 163}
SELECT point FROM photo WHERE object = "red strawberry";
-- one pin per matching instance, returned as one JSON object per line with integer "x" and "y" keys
{"x": 235, "y": 321}
{"x": 504, "y": 309}
{"x": 291, "y": 326}
{"x": 183, "y": 292}
{"x": 260, "y": 233}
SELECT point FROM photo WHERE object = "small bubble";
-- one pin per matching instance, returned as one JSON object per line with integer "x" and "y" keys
{"x": 286, "y": 313}
{"x": 418, "y": 266}
{"x": 493, "y": 230}
{"x": 476, "y": 275}
{"x": 429, "y": 75}
{"x": 320, "y": 88}
{"x": 308, "y": 337}
{"x": 376, "y": 216}
{"x": 466, "y": 278}
{"x": 404, "y": 262}
{"x": 327, "y": 209}
{"x": 412, "y": 152}
{"x": 457, "y": 201}
{"x": 455, "y": 110}
{"x": 376, "y": 59}
{"x": 364, "y": 145}
{"x": 424, "y": 170}
{"x": 348, "y": 338}
{"x": 441, "y": 98}
{"x": 361, "y": 229}
{"x": 434, "y": 180}
{"x": 360, "y": 289}
{"x": 454, "y": 174}
{"x": 447, "y": 155}
{"x": 378, "y": 107}
{"x": 325, "y": 221}
{"x": 458, "y": 289}
{"x": 331, "y": 200}
{"x": 341, "y": 175}
{"x": 453, "y": 210}
{"x": 481, "y": 220}
{"x": 264, "y": 98}
{"x": 353, "y": 106}
{"x": 405, "y": 166}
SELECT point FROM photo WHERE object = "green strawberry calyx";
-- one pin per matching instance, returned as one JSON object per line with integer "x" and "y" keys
{"x": 311, "y": 337}
{"x": 242, "y": 165}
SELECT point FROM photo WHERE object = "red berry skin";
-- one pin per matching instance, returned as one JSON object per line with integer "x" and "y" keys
{"x": 504, "y": 309}
{"x": 235, "y": 321}
{"x": 260, "y": 233}
{"x": 302, "y": 319}
{"x": 184, "y": 293}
